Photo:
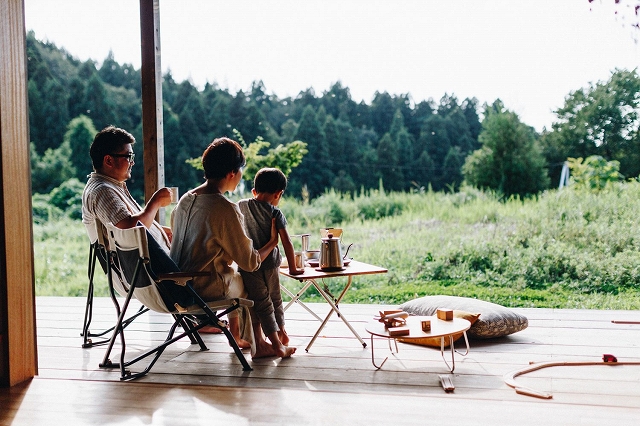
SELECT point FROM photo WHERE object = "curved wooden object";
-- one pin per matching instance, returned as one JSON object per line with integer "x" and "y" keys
{"x": 509, "y": 378}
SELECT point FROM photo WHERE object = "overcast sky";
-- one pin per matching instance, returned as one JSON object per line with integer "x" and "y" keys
{"x": 529, "y": 53}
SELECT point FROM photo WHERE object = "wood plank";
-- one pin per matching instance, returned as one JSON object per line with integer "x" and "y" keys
{"x": 18, "y": 357}
{"x": 338, "y": 371}
{"x": 39, "y": 403}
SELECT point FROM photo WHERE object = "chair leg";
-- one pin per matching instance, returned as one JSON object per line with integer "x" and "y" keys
{"x": 215, "y": 319}
{"x": 88, "y": 312}
{"x": 106, "y": 362}
{"x": 188, "y": 326}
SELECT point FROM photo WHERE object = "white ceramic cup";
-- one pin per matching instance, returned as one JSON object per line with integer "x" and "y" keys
{"x": 175, "y": 195}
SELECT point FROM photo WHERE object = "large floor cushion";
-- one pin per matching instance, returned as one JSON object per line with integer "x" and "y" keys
{"x": 494, "y": 321}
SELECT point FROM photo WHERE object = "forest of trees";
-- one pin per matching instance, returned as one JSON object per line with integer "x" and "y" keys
{"x": 404, "y": 144}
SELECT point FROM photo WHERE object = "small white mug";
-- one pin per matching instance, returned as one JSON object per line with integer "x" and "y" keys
{"x": 174, "y": 194}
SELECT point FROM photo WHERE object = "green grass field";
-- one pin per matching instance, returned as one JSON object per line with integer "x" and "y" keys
{"x": 565, "y": 249}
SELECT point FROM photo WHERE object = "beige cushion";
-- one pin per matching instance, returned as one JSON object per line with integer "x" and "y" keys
{"x": 494, "y": 321}
{"x": 435, "y": 341}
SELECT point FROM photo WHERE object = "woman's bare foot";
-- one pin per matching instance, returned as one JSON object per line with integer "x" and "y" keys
{"x": 209, "y": 329}
{"x": 242, "y": 344}
{"x": 284, "y": 337}
{"x": 263, "y": 350}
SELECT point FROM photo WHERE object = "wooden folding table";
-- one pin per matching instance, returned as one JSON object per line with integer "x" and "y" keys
{"x": 312, "y": 276}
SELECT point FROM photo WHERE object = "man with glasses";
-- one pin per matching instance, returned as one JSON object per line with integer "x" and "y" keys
{"x": 106, "y": 196}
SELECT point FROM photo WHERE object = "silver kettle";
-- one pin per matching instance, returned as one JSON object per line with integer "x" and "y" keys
{"x": 330, "y": 254}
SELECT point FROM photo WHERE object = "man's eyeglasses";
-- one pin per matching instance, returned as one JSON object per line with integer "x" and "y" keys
{"x": 130, "y": 156}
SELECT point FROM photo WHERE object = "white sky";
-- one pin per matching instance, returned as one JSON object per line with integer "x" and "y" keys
{"x": 529, "y": 53}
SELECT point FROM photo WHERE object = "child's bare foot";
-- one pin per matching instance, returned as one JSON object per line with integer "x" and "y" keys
{"x": 285, "y": 351}
{"x": 284, "y": 337}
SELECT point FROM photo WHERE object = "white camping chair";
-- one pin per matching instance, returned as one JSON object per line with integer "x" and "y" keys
{"x": 98, "y": 255}
{"x": 157, "y": 282}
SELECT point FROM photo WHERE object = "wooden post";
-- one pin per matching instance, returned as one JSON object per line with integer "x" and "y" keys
{"x": 151, "y": 73}
{"x": 18, "y": 349}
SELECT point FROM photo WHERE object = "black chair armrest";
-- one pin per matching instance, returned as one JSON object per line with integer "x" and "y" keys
{"x": 181, "y": 278}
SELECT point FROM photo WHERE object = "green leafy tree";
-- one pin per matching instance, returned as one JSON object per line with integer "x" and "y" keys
{"x": 98, "y": 104}
{"x": 388, "y": 167}
{"x": 51, "y": 169}
{"x": 366, "y": 175}
{"x": 177, "y": 153}
{"x": 126, "y": 107}
{"x": 453, "y": 162}
{"x": 79, "y": 136}
{"x": 435, "y": 141}
{"x": 110, "y": 71}
{"x": 335, "y": 144}
{"x": 601, "y": 119}
{"x": 421, "y": 112}
{"x": 470, "y": 111}
{"x": 219, "y": 119}
{"x": 36, "y": 109}
{"x": 314, "y": 172}
{"x": 406, "y": 156}
{"x": 594, "y": 173}
{"x": 68, "y": 197}
{"x": 87, "y": 70}
{"x": 253, "y": 122}
{"x": 284, "y": 157}
{"x": 510, "y": 160}
{"x": 259, "y": 154}
{"x": 343, "y": 183}
{"x": 288, "y": 130}
{"x": 338, "y": 103}
{"x": 422, "y": 170}
{"x": 55, "y": 115}
{"x": 76, "y": 97}
{"x": 382, "y": 112}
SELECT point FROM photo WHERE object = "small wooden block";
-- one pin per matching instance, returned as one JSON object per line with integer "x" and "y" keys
{"x": 426, "y": 325}
{"x": 447, "y": 384}
{"x": 445, "y": 314}
{"x": 398, "y": 331}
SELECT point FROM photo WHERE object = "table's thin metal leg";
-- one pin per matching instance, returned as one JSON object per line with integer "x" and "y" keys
{"x": 334, "y": 308}
{"x": 295, "y": 298}
{"x": 453, "y": 359}
{"x": 466, "y": 340}
{"x": 394, "y": 341}
{"x": 453, "y": 350}
{"x": 315, "y": 336}
{"x": 373, "y": 358}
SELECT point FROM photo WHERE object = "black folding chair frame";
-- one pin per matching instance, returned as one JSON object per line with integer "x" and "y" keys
{"x": 96, "y": 250}
{"x": 184, "y": 320}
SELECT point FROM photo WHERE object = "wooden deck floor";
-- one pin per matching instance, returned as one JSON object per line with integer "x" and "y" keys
{"x": 335, "y": 382}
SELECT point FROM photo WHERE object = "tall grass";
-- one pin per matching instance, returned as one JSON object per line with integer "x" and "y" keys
{"x": 566, "y": 248}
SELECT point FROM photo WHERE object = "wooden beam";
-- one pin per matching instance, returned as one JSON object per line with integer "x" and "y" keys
{"x": 151, "y": 72}
{"x": 18, "y": 350}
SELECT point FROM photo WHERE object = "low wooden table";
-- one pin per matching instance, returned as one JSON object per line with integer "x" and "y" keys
{"x": 313, "y": 276}
{"x": 439, "y": 328}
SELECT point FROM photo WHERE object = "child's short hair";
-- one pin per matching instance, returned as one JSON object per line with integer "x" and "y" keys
{"x": 269, "y": 180}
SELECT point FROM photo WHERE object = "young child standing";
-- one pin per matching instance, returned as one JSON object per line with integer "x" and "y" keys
{"x": 263, "y": 285}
